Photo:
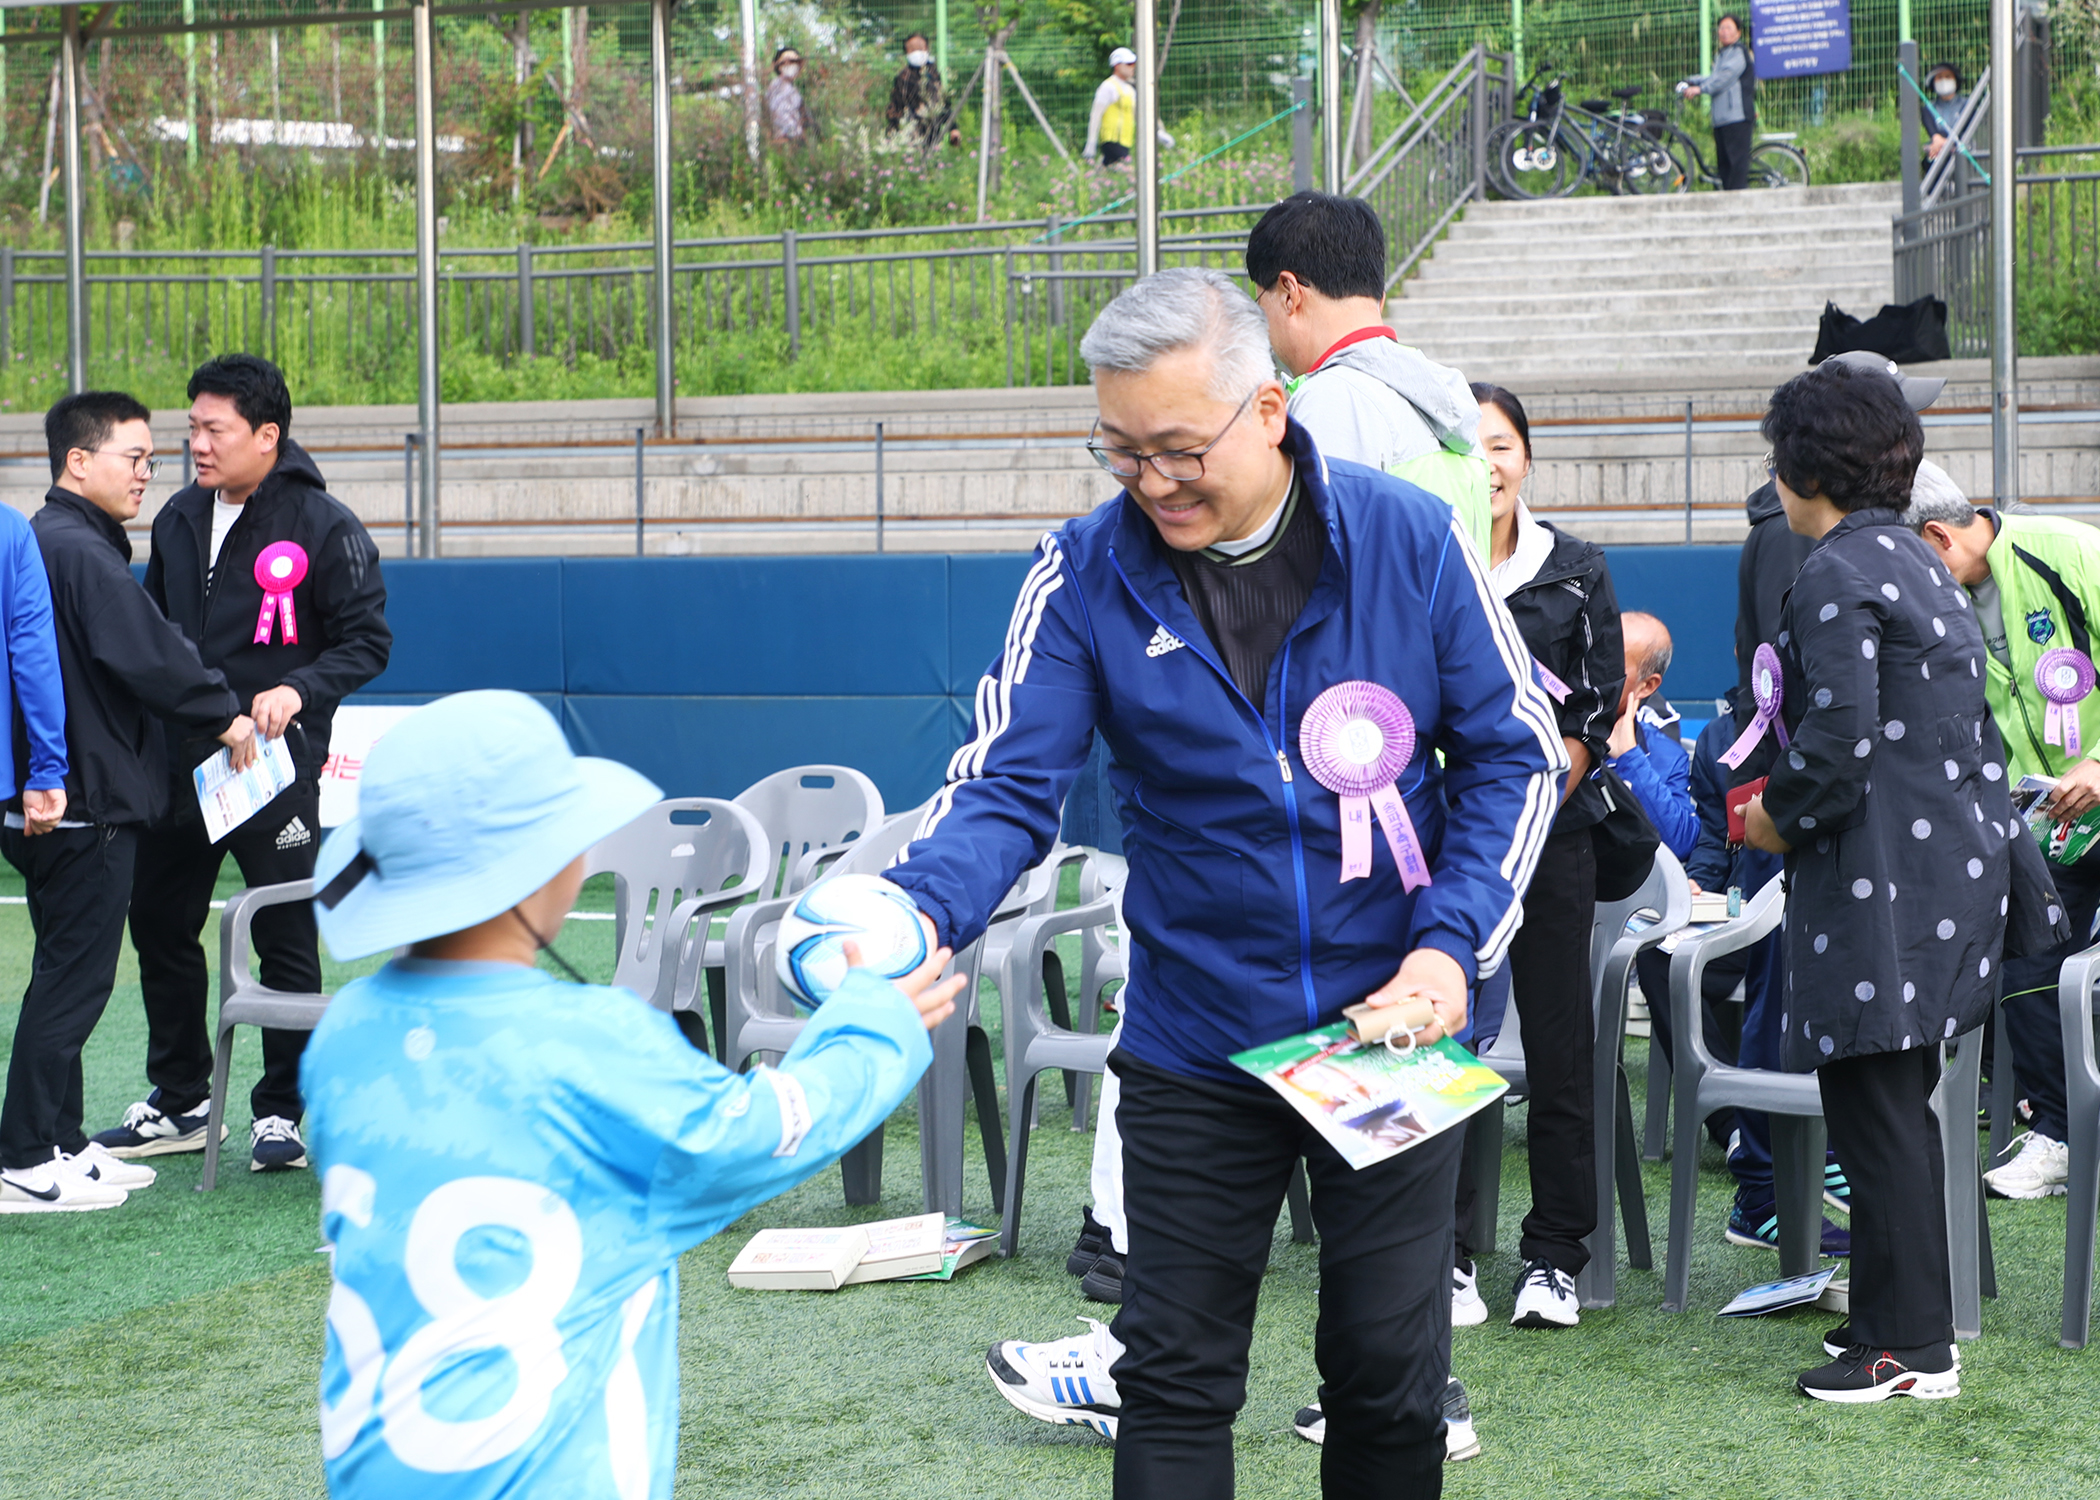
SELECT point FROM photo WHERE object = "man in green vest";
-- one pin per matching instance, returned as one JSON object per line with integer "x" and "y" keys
{"x": 2035, "y": 581}
{"x": 1317, "y": 261}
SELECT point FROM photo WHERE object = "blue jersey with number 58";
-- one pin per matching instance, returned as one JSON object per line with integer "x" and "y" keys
{"x": 510, "y": 1167}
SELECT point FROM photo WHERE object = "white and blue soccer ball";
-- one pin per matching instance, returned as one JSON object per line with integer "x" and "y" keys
{"x": 809, "y": 953}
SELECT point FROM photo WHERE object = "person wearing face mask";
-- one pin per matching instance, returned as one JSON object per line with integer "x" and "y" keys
{"x": 918, "y": 100}
{"x": 1112, "y": 127}
{"x": 786, "y": 110}
{"x": 1559, "y": 591}
{"x": 1732, "y": 86}
{"x": 1943, "y": 113}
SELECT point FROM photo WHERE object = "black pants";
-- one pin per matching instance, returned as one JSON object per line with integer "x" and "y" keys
{"x": 1113, "y": 152}
{"x": 1732, "y": 154}
{"x": 1550, "y": 987}
{"x": 1205, "y": 1165}
{"x": 177, "y": 869}
{"x": 79, "y": 882}
{"x": 2031, "y": 1016}
{"x": 1885, "y": 1133}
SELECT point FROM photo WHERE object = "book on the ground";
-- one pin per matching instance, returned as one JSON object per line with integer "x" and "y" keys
{"x": 901, "y": 1247}
{"x": 1777, "y": 1296}
{"x": 799, "y": 1260}
{"x": 229, "y": 798}
{"x": 2065, "y": 842}
{"x": 1368, "y": 1100}
{"x": 963, "y": 1244}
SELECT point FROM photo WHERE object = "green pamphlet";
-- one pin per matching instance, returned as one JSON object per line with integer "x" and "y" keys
{"x": 1371, "y": 1101}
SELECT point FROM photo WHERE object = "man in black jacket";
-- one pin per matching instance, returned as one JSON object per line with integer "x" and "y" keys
{"x": 278, "y": 584}
{"x": 120, "y": 663}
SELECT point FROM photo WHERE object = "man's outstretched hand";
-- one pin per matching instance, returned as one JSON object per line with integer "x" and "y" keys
{"x": 936, "y": 1002}
{"x": 1433, "y": 975}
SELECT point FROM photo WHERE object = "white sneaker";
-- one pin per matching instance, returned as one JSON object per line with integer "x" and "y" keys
{"x": 56, "y": 1187}
{"x": 275, "y": 1145}
{"x": 1461, "y": 1442}
{"x": 2041, "y": 1170}
{"x": 1467, "y": 1308}
{"x": 1545, "y": 1298}
{"x": 97, "y": 1162}
{"x": 1068, "y": 1384}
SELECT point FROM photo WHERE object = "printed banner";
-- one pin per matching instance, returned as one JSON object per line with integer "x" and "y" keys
{"x": 1800, "y": 38}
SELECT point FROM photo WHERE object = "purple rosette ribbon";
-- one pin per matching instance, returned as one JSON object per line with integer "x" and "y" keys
{"x": 1768, "y": 688}
{"x": 1356, "y": 739}
{"x": 2065, "y": 677}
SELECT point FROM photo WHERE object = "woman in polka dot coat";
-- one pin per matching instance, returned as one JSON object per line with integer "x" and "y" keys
{"x": 1891, "y": 806}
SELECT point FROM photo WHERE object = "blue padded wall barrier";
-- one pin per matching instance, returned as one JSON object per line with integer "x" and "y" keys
{"x": 708, "y": 673}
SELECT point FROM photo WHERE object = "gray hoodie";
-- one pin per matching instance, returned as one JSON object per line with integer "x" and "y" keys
{"x": 1378, "y": 402}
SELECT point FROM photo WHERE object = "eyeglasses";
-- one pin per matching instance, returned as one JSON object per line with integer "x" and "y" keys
{"x": 1182, "y": 467}
{"x": 140, "y": 464}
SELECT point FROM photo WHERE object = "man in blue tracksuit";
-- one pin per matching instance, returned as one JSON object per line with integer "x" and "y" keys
{"x": 1192, "y": 621}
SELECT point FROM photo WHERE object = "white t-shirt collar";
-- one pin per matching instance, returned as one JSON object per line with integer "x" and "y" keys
{"x": 1534, "y": 546}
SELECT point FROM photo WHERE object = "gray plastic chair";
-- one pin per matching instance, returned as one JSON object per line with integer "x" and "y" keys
{"x": 246, "y": 1001}
{"x": 2074, "y": 998}
{"x": 1667, "y": 894}
{"x": 1794, "y": 1104}
{"x": 673, "y": 868}
{"x": 809, "y": 807}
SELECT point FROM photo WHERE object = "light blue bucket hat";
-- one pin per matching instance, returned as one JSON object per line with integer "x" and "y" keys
{"x": 465, "y": 808}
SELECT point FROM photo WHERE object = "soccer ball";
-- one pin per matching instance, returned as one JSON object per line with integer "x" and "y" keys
{"x": 809, "y": 954}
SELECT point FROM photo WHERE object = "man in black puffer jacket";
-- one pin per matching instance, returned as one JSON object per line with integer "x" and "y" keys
{"x": 278, "y": 585}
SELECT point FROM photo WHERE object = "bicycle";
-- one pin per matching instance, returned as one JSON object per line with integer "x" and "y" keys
{"x": 1775, "y": 162}
{"x": 1555, "y": 147}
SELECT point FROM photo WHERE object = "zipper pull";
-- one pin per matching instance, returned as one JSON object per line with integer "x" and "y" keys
{"x": 1283, "y": 759}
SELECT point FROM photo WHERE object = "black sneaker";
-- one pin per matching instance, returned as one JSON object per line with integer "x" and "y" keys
{"x": 1461, "y": 1442}
{"x": 1863, "y": 1374}
{"x": 149, "y": 1131}
{"x": 1839, "y": 1339}
{"x": 1093, "y": 1239}
{"x": 275, "y": 1145}
{"x": 1104, "y": 1279}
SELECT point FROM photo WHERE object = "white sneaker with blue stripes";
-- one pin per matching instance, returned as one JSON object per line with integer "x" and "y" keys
{"x": 1065, "y": 1383}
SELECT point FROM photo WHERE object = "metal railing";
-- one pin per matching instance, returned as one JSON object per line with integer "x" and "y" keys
{"x": 1943, "y": 249}
{"x": 355, "y": 309}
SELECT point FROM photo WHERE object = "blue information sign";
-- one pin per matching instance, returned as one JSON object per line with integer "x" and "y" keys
{"x": 1798, "y": 38}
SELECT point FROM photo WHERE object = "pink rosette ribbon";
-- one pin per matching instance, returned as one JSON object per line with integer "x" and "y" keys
{"x": 1768, "y": 688}
{"x": 2065, "y": 677}
{"x": 280, "y": 569}
{"x": 1356, "y": 739}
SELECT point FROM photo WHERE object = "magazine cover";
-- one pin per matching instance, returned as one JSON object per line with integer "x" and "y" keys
{"x": 1368, "y": 1100}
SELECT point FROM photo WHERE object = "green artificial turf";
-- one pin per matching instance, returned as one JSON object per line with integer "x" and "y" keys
{"x": 170, "y": 1347}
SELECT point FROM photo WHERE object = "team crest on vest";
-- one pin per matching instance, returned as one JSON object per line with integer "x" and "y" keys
{"x": 2039, "y": 626}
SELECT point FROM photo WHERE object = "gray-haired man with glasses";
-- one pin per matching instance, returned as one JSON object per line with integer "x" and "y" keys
{"x": 121, "y": 663}
{"x": 1213, "y": 622}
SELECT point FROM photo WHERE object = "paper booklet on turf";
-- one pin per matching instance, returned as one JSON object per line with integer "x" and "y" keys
{"x": 799, "y": 1260}
{"x": 230, "y": 798}
{"x": 1370, "y": 1099}
{"x": 963, "y": 1244}
{"x": 901, "y": 1247}
{"x": 1777, "y": 1296}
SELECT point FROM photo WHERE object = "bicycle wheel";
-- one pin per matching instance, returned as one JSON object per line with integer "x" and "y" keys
{"x": 1529, "y": 161}
{"x": 1774, "y": 164}
{"x": 1648, "y": 168}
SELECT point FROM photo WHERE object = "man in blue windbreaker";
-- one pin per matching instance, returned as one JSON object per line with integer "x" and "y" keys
{"x": 1193, "y": 621}
{"x": 511, "y": 1165}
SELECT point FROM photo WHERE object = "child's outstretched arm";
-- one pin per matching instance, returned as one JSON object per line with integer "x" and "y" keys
{"x": 754, "y": 1136}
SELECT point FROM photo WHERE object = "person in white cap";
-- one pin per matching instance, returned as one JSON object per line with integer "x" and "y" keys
{"x": 1112, "y": 127}
{"x": 511, "y": 1165}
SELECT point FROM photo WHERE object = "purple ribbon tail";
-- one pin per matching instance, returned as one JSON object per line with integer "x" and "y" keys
{"x": 1737, "y": 753}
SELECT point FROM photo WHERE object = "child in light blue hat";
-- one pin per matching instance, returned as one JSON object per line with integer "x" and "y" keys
{"x": 511, "y": 1164}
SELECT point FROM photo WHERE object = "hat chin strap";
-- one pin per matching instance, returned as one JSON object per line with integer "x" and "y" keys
{"x": 546, "y": 945}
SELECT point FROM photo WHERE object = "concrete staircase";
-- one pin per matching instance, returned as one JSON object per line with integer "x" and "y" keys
{"x": 1648, "y": 284}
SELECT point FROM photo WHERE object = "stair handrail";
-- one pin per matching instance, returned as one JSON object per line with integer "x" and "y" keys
{"x": 1391, "y": 149}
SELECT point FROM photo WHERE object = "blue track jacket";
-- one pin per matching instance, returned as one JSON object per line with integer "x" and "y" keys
{"x": 30, "y": 684}
{"x": 1243, "y": 930}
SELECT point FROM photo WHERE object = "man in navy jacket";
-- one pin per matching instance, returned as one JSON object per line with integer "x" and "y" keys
{"x": 1192, "y": 621}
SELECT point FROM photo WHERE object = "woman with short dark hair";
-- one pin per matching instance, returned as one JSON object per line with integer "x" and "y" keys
{"x": 1896, "y": 899}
